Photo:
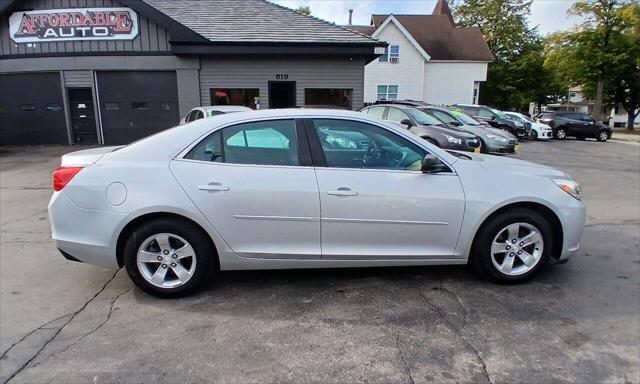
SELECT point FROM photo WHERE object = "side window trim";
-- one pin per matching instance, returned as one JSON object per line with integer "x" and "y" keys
{"x": 320, "y": 161}
{"x": 304, "y": 148}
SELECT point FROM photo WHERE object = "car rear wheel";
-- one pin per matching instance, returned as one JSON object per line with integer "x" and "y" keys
{"x": 603, "y": 136}
{"x": 561, "y": 133}
{"x": 168, "y": 258}
{"x": 513, "y": 246}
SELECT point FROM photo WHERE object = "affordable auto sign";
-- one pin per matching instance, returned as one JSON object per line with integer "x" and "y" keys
{"x": 73, "y": 24}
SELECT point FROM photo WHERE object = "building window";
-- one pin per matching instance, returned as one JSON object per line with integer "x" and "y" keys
{"x": 329, "y": 96}
{"x": 166, "y": 106}
{"x": 394, "y": 53}
{"x": 391, "y": 54}
{"x": 234, "y": 96}
{"x": 54, "y": 107}
{"x": 139, "y": 105}
{"x": 476, "y": 92}
{"x": 111, "y": 106}
{"x": 387, "y": 92}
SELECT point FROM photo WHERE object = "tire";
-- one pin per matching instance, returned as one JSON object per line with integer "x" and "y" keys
{"x": 534, "y": 134}
{"x": 168, "y": 266}
{"x": 603, "y": 136}
{"x": 488, "y": 262}
{"x": 561, "y": 133}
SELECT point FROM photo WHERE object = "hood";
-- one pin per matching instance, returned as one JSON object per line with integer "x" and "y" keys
{"x": 500, "y": 164}
{"x": 458, "y": 133}
{"x": 87, "y": 156}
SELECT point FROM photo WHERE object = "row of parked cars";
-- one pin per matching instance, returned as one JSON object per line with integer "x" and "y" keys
{"x": 465, "y": 127}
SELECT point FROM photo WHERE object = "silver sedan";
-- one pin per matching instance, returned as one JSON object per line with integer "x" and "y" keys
{"x": 306, "y": 189}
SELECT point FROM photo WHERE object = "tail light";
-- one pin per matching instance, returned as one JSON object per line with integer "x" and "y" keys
{"x": 63, "y": 175}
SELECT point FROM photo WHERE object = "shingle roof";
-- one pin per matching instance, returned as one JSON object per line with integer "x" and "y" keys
{"x": 440, "y": 38}
{"x": 255, "y": 21}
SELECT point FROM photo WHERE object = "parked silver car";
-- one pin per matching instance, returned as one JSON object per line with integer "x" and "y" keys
{"x": 306, "y": 188}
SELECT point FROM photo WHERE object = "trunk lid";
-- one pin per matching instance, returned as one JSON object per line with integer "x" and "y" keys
{"x": 86, "y": 156}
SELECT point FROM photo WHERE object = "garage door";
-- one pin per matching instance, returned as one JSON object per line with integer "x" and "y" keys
{"x": 136, "y": 104}
{"x": 32, "y": 110}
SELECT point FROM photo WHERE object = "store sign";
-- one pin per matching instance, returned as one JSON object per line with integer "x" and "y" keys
{"x": 73, "y": 24}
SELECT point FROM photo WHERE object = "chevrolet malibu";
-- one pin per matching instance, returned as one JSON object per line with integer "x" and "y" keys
{"x": 306, "y": 189}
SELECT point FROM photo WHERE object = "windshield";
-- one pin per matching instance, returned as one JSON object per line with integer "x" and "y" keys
{"x": 500, "y": 114}
{"x": 424, "y": 119}
{"x": 464, "y": 118}
{"x": 520, "y": 116}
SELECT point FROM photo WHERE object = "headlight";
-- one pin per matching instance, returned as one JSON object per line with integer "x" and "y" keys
{"x": 497, "y": 138}
{"x": 570, "y": 186}
{"x": 453, "y": 140}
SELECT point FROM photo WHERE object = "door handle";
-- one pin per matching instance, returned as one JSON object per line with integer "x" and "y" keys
{"x": 343, "y": 191}
{"x": 212, "y": 187}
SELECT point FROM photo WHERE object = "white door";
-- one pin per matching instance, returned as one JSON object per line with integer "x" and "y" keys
{"x": 375, "y": 201}
{"x": 249, "y": 182}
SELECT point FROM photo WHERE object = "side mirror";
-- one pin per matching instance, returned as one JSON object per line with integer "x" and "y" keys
{"x": 407, "y": 122}
{"x": 431, "y": 164}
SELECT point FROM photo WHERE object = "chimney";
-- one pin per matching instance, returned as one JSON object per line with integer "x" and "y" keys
{"x": 350, "y": 16}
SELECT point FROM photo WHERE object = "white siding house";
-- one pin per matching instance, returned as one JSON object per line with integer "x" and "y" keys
{"x": 428, "y": 58}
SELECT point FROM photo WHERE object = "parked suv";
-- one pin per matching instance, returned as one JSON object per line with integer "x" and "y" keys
{"x": 496, "y": 119}
{"x": 577, "y": 124}
{"x": 425, "y": 126}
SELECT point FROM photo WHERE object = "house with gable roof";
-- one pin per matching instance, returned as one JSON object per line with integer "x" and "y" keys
{"x": 428, "y": 58}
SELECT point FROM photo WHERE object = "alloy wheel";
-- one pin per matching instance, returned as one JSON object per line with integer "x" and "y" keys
{"x": 166, "y": 260}
{"x": 561, "y": 134}
{"x": 604, "y": 136}
{"x": 517, "y": 249}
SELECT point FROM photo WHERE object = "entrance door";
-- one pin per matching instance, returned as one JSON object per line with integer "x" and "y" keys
{"x": 81, "y": 112}
{"x": 137, "y": 104}
{"x": 282, "y": 94}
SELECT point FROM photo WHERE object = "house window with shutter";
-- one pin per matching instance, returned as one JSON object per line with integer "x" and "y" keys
{"x": 394, "y": 53}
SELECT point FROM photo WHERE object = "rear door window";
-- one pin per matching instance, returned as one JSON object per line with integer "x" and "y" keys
{"x": 376, "y": 112}
{"x": 257, "y": 143}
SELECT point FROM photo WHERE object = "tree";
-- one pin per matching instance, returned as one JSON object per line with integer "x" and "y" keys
{"x": 305, "y": 10}
{"x": 517, "y": 76}
{"x": 603, "y": 54}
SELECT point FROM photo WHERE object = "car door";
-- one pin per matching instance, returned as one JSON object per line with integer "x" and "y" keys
{"x": 589, "y": 126}
{"x": 255, "y": 184}
{"x": 375, "y": 201}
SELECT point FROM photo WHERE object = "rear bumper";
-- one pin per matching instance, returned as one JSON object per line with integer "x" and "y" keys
{"x": 85, "y": 235}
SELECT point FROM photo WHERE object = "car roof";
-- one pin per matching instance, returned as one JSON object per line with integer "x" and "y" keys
{"x": 225, "y": 108}
{"x": 401, "y": 106}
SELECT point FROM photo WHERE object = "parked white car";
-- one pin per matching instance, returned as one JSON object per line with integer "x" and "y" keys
{"x": 539, "y": 131}
{"x": 304, "y": 188}
{"x": 214, "y": 110}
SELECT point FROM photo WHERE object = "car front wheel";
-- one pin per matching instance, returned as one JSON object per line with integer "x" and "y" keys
{"x": 603, "y": 136}
{"x": 168, "y": 258}
{"x": 513, "y": 246}
{"x": 561, "y": 133}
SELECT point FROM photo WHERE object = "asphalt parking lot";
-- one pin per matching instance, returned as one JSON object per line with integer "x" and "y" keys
{"x": 65, "y": 322}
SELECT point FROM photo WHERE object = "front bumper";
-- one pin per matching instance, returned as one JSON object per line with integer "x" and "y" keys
{"x": 468, "y": 145}
{"x": 498, "y": 148}
{"x": 573, "y": 215}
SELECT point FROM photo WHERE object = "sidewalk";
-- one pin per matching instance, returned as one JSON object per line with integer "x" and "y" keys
{"x": 622, "y": 135}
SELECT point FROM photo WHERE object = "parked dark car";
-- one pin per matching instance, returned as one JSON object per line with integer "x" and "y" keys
{"x": 492, "y": 140}
{"x": 425, "y": 126}
{"x": 496, "y": 119}
{"x": 577, "y": 124}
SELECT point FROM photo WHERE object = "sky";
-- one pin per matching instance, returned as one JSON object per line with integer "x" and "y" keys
{"x": 548, "y": 15}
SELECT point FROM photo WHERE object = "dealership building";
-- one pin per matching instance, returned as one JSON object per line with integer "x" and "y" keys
{"x": 110, "y": 72}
